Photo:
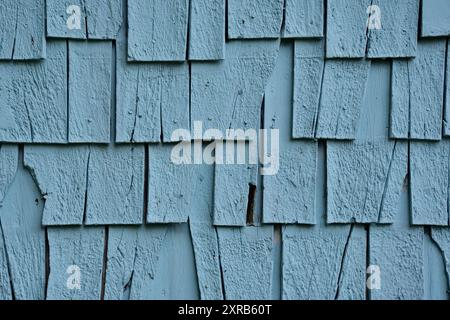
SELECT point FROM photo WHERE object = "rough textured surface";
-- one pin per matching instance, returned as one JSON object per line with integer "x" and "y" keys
{"x": 157, "y": 30}
{"x": 309, "y": 66}
{"x": 152, "y": 99}
{"x": 398, "y": 34}
{"x": 435, "y": 18}
{"x": 245, "y": 258}
{"x": 287, "y": 194}
{"x": 231, "y": 193}
{"x": 22, "y": 30}
{"x": 64, "y": 186}
{"x": 89, "y": 91}
{"x": 23, "y": 239}
{"x": 168, "y": 198}
{"x": 33, "y": 101}
{"x": 418, "y": 93}
{"x": 228, "y": 94}
{"x": 88, "y": 19}
{"x": 343, "y": 88}
{"x": 207, "y": 30}
{"x": 133, "y": 254}
{"x": 303, "y": 19}
{"x": 115, "y": 185}
{"x": 429, "y": 167}
{"x": 89, "y": 210}
{"x": 253, "y": 19}
{"x": 75, "y": 251}
{"x": 347, "y": 28}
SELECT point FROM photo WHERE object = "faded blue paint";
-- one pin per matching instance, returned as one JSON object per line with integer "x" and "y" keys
{"x": 141, "y": 227}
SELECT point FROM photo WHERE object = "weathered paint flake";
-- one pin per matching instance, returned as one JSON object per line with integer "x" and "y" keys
{"x": 228, "y": 94}
{"x": 157, "y": 30}
{"x": 207, "y": 30}
{"x": 169, "y": 198}
{"x": 253, "y": 19}
{"x": 61, "y": 175}
{"x": 84, "y": 19}
{"x": 429, "y": 167}
{"x": 115, "y": 190}
{"x": 288, "y": 196}
{"x": 435, "y": 18}
{"x": 23, "y": 239}
{"x": 33, "y": 98}
{"x": 22, "y": 30}
{"x": 132, "y": 257}
{"x": 246, "y": 262}
{"x": 323, "y": 263}
{"x": 89, "y": 91}
{"x": 76, "y": 263}
{"x": 418, "y": 93}
{"x": 304, "y": 19}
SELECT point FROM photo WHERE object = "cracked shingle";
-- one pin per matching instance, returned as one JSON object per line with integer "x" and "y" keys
{"x": 84, "y": 19}
{"x": 157, "y": 30}
{"x": 22, "y": 30}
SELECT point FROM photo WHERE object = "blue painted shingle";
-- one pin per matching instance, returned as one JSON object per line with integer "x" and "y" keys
{"x": 84, "y": 19}
{"x": 23, "y": 238}
{"x": 133, "y": 254}
{"x": 429, "y": 168}
{"x": 22, "y": 30}
{"x": 435, "y": 18}
{"x": 61, "y": 175}
{"x": 75, "y": 252}
{"x": 289, "y": 193}
{"x": 399, "y": 27}
{"x": 207, "y": 30}
{"x": 303, "y": 19}
{"x": 33, "y": 98}
{"x": 89, "y": 84}
{"x": 253, "y": 19}
{"x": 157, "y": 30}
{"x": 246, "y": 261}
{"x": 418, "y": 86}
{"x": 115, "y": 185}
{"x": 228, "y": 94}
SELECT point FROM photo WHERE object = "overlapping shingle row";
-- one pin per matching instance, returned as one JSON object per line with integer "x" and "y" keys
{"x": 358, "y": 90}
